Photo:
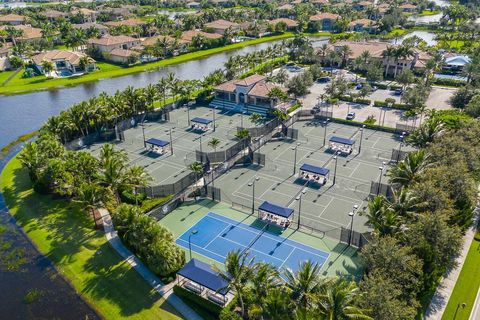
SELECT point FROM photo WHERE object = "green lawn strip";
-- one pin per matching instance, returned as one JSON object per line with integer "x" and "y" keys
{"x": 4, "y": 75}
{"x": 466, "y": 288}
{"x": 63, "y": 232}
{"x": 19, "y": 85}
{"x": 428, "y": 13}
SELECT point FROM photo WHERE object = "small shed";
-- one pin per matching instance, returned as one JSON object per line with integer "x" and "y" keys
{"x": 342, "y": 145}
{"x": 275, "y": 214}
{"x": 313, "y": 173}
{"x": 200, "y": 124}
{"x": 157, "y": 145}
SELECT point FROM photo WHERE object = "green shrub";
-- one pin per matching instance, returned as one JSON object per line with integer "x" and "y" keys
{"x": 129, "y": 197}
{"x": 449, "y": 82}
{"x": 384, "y": 104}
{"x": 367, "y": 125}
{"x": 207, "y": 305}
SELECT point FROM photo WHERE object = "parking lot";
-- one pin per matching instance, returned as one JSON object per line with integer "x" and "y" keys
{"x": 169, "y": 168}
{"x": 323, "y": 208}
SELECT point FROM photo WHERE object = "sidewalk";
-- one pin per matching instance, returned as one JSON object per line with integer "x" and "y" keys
{"x": 165, "y": 290}
{"x": 444, "y": 291}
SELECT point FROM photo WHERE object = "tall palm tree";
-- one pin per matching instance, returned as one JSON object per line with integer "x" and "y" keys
{"x": 265, "y": 278}
{"x": 238, "y": 272}
{"x": 383, "y": 219}
{"x": 47, "y": 67}
{"x": 197, "y": 168}
{"x": 338, "y": 301}
{"x": 90, "y": 195}
{"x": 304, "y": 284}
{"x": 406, "y": 171}
{"x": 388, "y": 54}
{"x": 275, "y": 304}
{"x": 426, "y": 133}
{"x": 112, "y": 176}
{"x": 214, "y": 143}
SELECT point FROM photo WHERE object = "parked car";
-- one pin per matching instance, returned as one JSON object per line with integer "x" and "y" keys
{"x": 359, "y": 86}
{"x": 350, "y": 116}
{"x": 324, "y": 79}
{"x": 398, "y": 92}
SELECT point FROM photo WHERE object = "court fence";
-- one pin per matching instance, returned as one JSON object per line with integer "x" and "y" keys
{"x": 381, "y": 189}
{"x": 221, "y": 156}
{"x": 169, "y": 189}
{"x": 398, "y": 155}
{"x": 403, "y": 127}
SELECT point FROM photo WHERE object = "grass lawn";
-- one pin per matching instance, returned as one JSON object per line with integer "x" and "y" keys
{"x": 4, "y": 76}
{"x": 19, "y": 85}
{"x": 467, "y": 285}
{"x": 429, "y": 13}
{"x": 64, "y": 233}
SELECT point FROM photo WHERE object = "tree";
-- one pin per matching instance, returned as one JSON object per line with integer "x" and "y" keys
{"x": 238, "y": 272}
{"x": 47, "y": 67}
{"x": 277, "y": 95}
{"x": 339, "y": 301}
{"x": 85, "y": 61}
{"x": 473, "y": 106}
{"x": 374, "y": 72}
{"x": 214, "y": 143}
{"x": 299, "y": 84}
{"x": 383, "y": 219}
{"x": 255, "y": 117}
{"x": 407, "y": 171}
{"x": 304, "y": 284}
{"x": 426, "y": 133}
{"x": 405, "y": 78}
{"x": 365, "y": 91}
{"x": 90, "y": 195}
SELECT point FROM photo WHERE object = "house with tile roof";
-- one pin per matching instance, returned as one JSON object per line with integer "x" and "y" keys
{"x": 325, "y": 20}
{"x": 12, "y": 19}
{"x": 363, "y": 25}
{"x": 64, "y": 60}
{"x": 249, "y": 95}
{"x": 108, "y": 43}
{"x": 220, "y": 26}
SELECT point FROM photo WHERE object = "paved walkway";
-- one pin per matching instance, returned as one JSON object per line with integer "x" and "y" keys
{"x": 444, "y": 291}
{"x": 476, "y": 308}
{"x": 165, "y": 290}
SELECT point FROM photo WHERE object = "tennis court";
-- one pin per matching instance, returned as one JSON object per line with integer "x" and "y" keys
{"x": 177, "y": 132}
{"x": 214, "y": 236}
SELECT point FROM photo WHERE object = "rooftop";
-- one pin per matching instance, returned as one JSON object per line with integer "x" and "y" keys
{"x": 112, "y": 40}
{"x": 72, "y": 57}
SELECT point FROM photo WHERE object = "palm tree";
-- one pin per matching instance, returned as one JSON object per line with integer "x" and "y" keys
{"x": 214, "y": 143}
{"x": 265, "y": 278}
{"x": 427, "y": 132}
{"x": 85, "y": 61}
{"x": 47, "y": 67}
{"x": 381, "y": 217}
{"x": 275, "y": 304}
{"x": 90, "y": 195}
{"x": 304, "y": 284}
{"x": 389, "y": 53}
{"x": 112, "y": 176}
{"x": 14, "y": 33}
{"x": 255, "y": 117}
{"x": 238, "y": 272}
{"x": 406, "y": 171}
{"x": 197, "y": 168}
{"x": 338, "y": 301}
{"x": 150, "y": 93}
{"x": 345, "y": 53}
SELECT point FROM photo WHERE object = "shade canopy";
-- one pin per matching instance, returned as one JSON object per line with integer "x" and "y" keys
{"x": 276, "y": 209}
{"x": 157, "y": 142}
{"x": 314, "y": 169}
{"x": 201, "y": 120}
{"x": 341, "y": 140}
{"x": 203, "y": 274}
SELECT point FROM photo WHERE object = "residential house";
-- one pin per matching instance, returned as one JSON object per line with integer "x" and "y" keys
{"x": 220, "y": 26}
{"x": 29, "y": 33}
{"x": 193, "y": 5}
{"x": 53, "y": 15}
{"x": 249, "y": 95}
{"x": 103, "y": 30}
{"x": 362, "y": 5}
{"x": 64, "y": 62}
{"x": 121, "y": 55}
{"x": 363, "y": 25}
{"x": 108, "y": 43}
{"x": 87, "y": 14}
{"x": 408, "y": 7}
{"x": 128, "y": 22}
{"x": 4, "y": 62}
{"x": 291, "y": 24}
{"x": 190, "y": 34}
{"x": 320, "y": 4}
{"x": 12, "y": 19}
{"x": 326, "y": 20}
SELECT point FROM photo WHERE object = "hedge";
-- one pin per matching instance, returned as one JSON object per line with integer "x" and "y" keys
{"x": 383, "y": 104}
{"x": 383, "y": 86}
{"x": 360, "y": 124}
{"x": 449, "y": 82}
{"x": 198, "y": 301}
{"x": 355, "y": 100}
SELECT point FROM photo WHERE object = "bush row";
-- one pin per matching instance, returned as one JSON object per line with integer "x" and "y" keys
{"x": 355, "y": 100}
{"x": 360, "y": 124}
{"x": 384, "y": 104}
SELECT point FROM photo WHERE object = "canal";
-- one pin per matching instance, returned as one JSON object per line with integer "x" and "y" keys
{"x": 30, "y": 286}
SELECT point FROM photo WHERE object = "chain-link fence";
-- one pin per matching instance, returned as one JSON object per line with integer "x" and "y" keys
{"x": 170, "y": 188}
{"x": 322, "y": 115}
{"x": 398, "y": 155}
{"x": 403, "y": 127}
{"x": 381, "y": 189}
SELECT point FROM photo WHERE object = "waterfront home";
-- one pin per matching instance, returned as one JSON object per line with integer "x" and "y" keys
{"x": 221, "y": 26}
{"x": 190, "y": 34}
{"x": 123, "y": 56}
{"x": 87, "y": 15}
{"x": 325, "y": 20}
{"x": 408, "y": 7}
{"x": 362, "y": 5}
{"x": 53, "y": 15}
{"x": 108, "y": 43}
{"x": 128, "y": 22}
{"x": 455, "y": 62}
{"x": 65, "y": 63}
{"x": 28, "y": 33}
{"x": 249, "y": 95}
{"x": 320, "y": 4}
{"x": 103, "y": 30}
{"x": 363, "y": 25}
{"x": 12, "y": 19}
{"x": 291, "y": 24}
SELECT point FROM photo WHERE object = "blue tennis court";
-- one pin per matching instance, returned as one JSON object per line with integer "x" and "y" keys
{"x": 218, "y": 235}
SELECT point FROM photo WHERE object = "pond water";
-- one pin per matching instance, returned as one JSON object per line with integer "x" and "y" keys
{"x": 173, "y": 14}
{"x": 21, "y": 114}
{"x": 33, "y": 289}
{"x": 426, "y": 19}
{"x": 429, "y": 37}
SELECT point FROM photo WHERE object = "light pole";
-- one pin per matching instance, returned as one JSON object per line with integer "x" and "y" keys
{"x": 380, "y": 177}
{"x": 171, "y": 142}
{"x": 335, "y": 170}
{"x": 361, "y": 138}
{"x": 201, "y": 143}
{"x": 295, "y": 158}
{"x": 402, "y": 137}
{"x": 299, "y": 199}
{"x": 188, "y": 113}
{"x": 352, "y": 214}
{"x": 143, "y": 132}
{"x": 252, "y": 184}
{"x": 325, "y": 132}
{"x": 241, "y": 118}
{"x": 214, "y": 111}
{"x": 462, "y": 305}
{"x": 190, "y": 241}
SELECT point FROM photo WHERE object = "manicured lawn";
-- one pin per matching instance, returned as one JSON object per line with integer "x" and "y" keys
{"x": 429, "y": 13}
{"x": 467, "y": 285}
{"x": 19, "y": 85}
{"x": 64, "y": 233}
{"x": 4, "y": 76}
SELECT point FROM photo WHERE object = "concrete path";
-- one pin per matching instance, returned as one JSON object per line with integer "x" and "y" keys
{"x": 165, "y": 290}
{"x": 444, "y": 291}
{"x": 475, "y": 315}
